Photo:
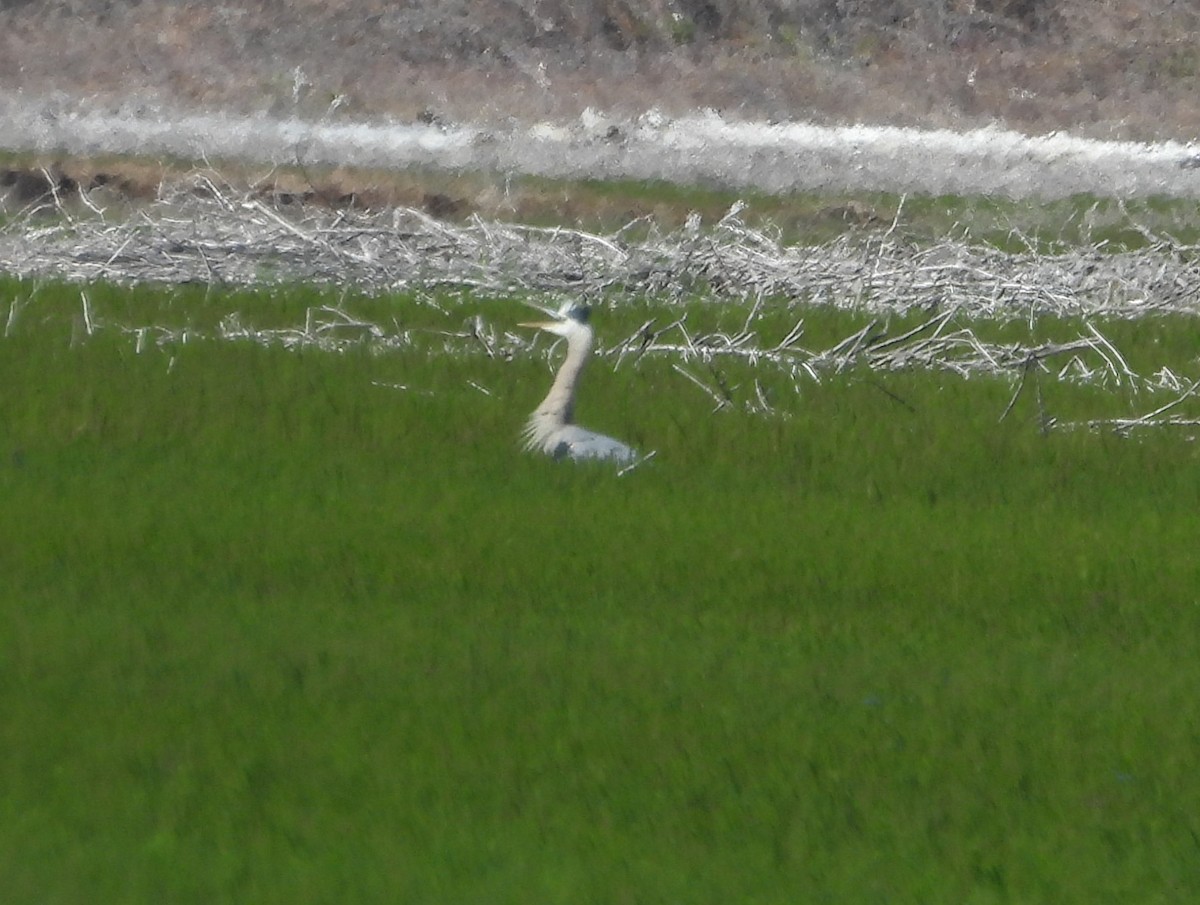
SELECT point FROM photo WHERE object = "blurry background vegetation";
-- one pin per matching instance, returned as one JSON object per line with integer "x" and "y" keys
{"x": 1126, "y": 68}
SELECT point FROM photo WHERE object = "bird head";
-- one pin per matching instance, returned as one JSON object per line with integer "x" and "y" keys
{"x": 567, "y": 320}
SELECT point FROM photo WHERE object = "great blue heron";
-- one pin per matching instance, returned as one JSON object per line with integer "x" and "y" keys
{"x": 552, "y": 428}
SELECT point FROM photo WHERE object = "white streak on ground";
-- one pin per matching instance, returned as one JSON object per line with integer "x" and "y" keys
{"x": 702, "y": 148}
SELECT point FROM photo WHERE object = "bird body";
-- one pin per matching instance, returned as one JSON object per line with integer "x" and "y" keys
{"x": 551, "y": 428}
{"x": 574, "y": 442}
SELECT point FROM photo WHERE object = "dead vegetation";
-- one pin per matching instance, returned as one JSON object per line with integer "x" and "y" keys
{"x": 1127, "y": 68}
{"x": 205, "y": 229}
{"x": 929, "y": 307}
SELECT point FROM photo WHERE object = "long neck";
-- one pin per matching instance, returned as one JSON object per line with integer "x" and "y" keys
{"x": 559, "y": 404}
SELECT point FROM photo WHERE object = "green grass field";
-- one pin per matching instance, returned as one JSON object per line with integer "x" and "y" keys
{"x": 275, "y": 630}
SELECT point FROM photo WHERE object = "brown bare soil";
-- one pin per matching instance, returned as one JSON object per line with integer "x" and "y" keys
{"x": 33, "y": 185}
{"x": 1119, "y": 68}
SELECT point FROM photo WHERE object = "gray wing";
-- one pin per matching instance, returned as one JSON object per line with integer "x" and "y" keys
{"x": 580, "y": 444}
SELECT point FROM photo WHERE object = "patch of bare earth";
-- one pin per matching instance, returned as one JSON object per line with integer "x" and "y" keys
{"x": 37, "y": 186}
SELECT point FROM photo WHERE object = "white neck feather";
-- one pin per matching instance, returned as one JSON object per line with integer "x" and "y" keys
{"x": 558, "y": 408}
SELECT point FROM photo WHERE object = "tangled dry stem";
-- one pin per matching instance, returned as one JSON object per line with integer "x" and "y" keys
{"x": 205, "y": 232}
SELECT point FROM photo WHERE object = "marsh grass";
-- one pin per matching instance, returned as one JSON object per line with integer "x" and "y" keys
{"x": 273, "y": 630}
